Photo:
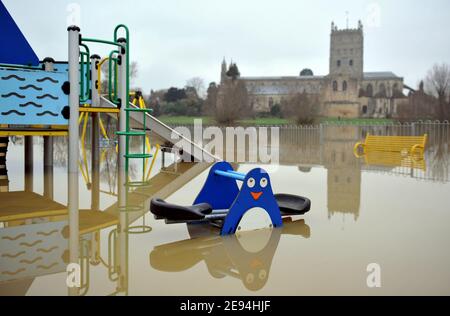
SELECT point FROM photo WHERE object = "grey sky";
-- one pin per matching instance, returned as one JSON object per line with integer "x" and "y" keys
{"x": 174, "y": 40}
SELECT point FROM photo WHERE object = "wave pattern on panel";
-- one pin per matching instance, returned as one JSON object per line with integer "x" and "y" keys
{"x": 32, "y": 97}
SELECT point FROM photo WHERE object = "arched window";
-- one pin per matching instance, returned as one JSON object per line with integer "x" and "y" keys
{"x": 335, "y": 86}
{"x": 369, "y": 90}
{"x": 344, "y": 86}
{"x": 350, "y": 62}
{"x": 364, "y": 109}
{"x": 382, "y": 90}
{"x": 338, "y": 63}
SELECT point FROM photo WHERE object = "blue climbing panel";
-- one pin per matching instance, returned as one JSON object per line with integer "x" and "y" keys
{"x": 32, "y": 97}
{"x": 15, "y": 48}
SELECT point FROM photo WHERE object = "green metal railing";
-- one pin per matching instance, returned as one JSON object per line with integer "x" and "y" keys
{"x": 85, "y": 74}
{"x": 113, "y": 77}
{"x": 113, "y": 86}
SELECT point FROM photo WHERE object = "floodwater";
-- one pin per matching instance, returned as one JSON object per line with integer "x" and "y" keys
{"x": 391, "y": 211}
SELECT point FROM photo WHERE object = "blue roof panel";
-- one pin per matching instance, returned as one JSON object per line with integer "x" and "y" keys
{"x": 17, "y": 50}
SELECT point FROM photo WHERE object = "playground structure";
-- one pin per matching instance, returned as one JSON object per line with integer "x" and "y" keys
{"x": 51, "y": 99}
{"x": 223, "y": 204}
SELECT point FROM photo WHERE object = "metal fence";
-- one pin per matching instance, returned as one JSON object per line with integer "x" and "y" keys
{"x": 319, "y": 144}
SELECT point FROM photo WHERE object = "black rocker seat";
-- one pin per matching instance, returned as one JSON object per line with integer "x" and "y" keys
{"x": 173, "y": 212}
{"x": 292, "y": 204}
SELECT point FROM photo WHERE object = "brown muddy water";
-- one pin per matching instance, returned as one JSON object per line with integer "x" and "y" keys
{"x": 392, "y": 211}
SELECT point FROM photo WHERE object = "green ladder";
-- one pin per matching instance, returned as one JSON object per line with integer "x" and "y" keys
{"x": 128, "y": 133}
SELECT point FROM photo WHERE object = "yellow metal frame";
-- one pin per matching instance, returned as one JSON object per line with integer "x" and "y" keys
{"x": 34, "y": 133}
{"x": 99, "y": 74}
{"x": 84, "y": 168}
{"x": 84, "y": 117}
{"x": 85, "y": 111}
{"x": 98, "y": 110}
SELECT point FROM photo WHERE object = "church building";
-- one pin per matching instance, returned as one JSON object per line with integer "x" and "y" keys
{"x": 347, "y": 91}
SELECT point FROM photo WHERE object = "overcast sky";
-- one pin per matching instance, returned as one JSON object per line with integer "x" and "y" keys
{"x": 174, "y": 40}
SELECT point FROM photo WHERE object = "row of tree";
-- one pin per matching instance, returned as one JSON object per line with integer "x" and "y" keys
{"x": 187, "y": 101}
{"x": 229, "y": 103}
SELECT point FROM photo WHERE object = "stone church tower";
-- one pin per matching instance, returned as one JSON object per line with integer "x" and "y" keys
{"x": 347, "y": 52}
{"x": 346, "y": 72}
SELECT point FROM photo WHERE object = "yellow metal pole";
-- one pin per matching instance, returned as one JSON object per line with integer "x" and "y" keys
{"x": 83, "y": 147}
{"x": 153, "y": 162}
{"x": 102, "y": 128}
{"x": 99, "y": 74}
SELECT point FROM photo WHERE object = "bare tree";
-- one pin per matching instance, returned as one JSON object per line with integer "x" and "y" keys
{"x": 198, "y": 84}
{"x": 301, "y": 107}
{"x": 232, "y": 102}
{"x": 437, "y": 83}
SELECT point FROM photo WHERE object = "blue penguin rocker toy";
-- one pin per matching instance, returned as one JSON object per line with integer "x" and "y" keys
{"x": 222, "y": 204}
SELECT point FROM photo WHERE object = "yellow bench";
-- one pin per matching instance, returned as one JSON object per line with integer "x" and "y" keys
{"x": 401, "y": 144}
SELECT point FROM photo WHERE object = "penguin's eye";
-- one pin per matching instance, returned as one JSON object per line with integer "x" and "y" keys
{"x": 251, "y": 183}
{"x": 263, "y": 182}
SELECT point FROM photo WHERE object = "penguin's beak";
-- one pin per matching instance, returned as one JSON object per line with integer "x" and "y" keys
{"x": 256, "y": 195}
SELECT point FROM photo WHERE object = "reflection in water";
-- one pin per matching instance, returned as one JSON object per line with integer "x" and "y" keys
{"x": 343, "y": 171}
{"x": 246, "y": 256}
{"x": 34, "y": 234}
{"x": 331, "y": 146}
{"x": 28, "y": 251}
{"x": 35, "y": 228}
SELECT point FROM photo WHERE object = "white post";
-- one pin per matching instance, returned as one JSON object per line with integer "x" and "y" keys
{"x": 122, "y": 87}
{"x": 123, "y": 173}
{"x": 95, "y": 139}
{"x": 74, "y": 98}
